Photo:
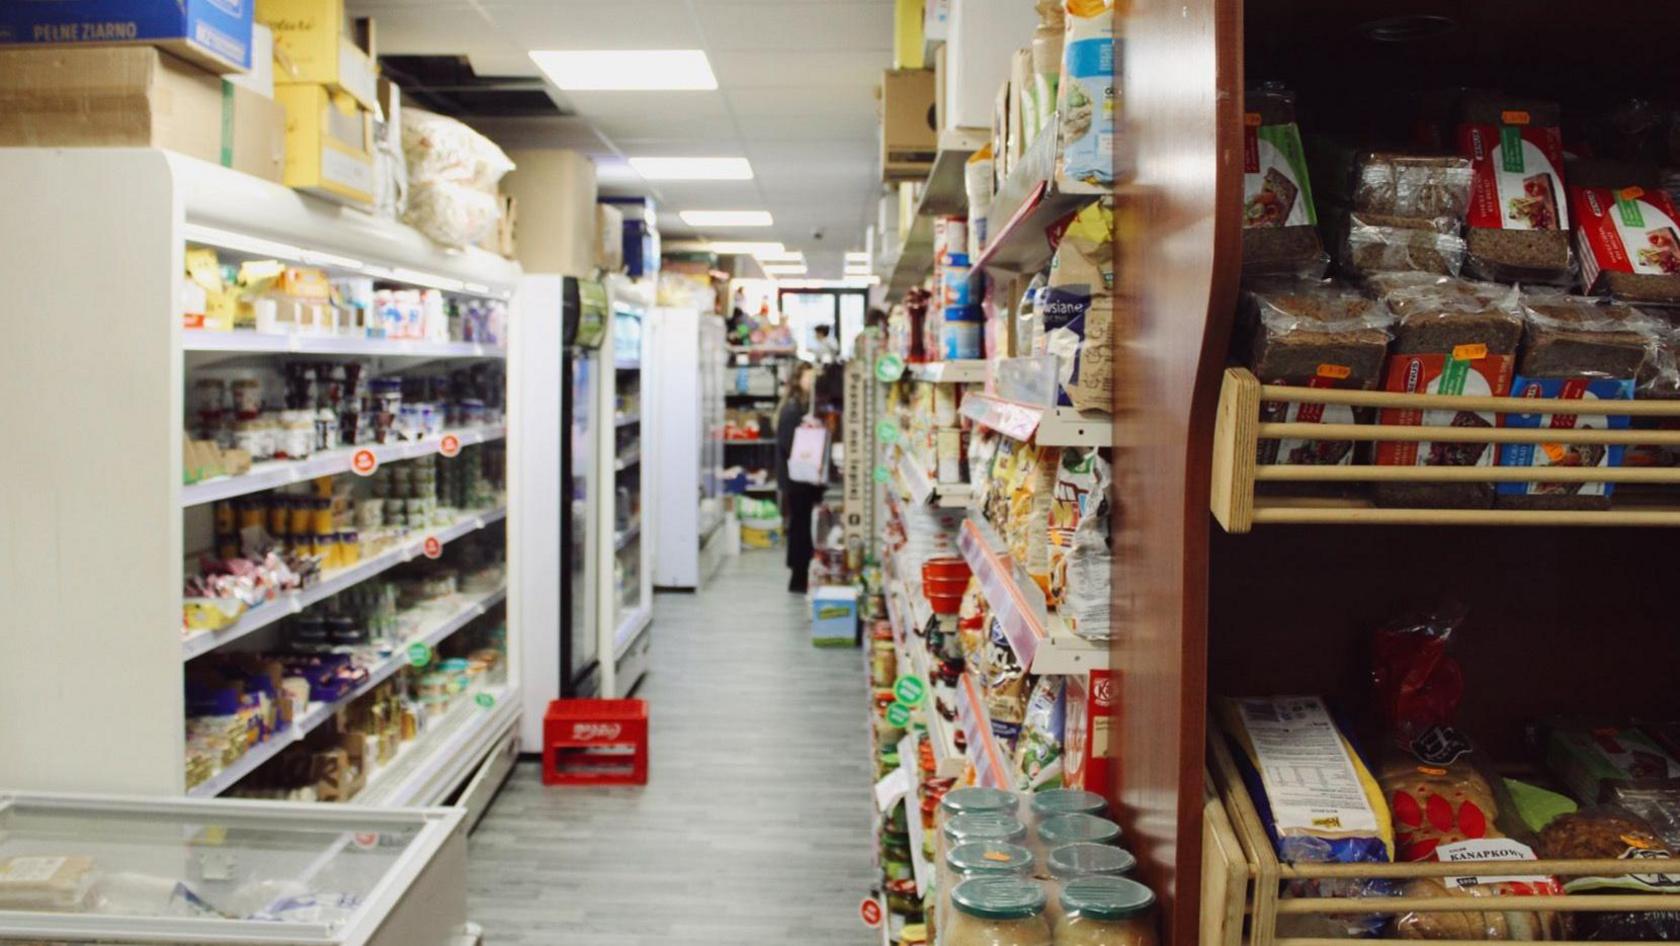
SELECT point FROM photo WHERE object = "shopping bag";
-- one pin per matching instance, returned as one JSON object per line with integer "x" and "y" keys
{"x": 808, "y": 460}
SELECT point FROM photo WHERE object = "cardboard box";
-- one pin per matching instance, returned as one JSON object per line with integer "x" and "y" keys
{"x": 260, "y": 77}
{"x": 500, "y": 239}
{"x": 834, "y": 614}
{"x": 609, "y": 238}
{"x": 136, "y": 97}
{"x": 212, "y": 34}
{"x": 908, "y": 137}
{"x": 315, "y": 48}
{"x": 329, "y": 144}
{"x": 909, "y": 45}
{"x": 983, "y": 34}
{"x": 1087, "y": 742}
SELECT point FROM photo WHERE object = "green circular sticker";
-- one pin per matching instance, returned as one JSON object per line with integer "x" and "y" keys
{"x": 889, "y": 368}
{"x": 882, "y": 474}
{"x": 485, "y": 700}
{"x": 898, "y": 715}
{"x": 419, "y": 654}
{"x": 887, "y": 431}
{"x": 910, "y": 690}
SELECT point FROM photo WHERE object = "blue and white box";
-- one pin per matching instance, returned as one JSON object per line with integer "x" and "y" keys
{"x": 213, "y": 34}
{"x": 834, "y": 615}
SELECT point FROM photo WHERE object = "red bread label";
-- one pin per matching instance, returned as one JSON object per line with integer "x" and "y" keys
{"x": 1627, "y": 231}
{"x": 1518, "y": 176}
{"x": 1487, "y": 376}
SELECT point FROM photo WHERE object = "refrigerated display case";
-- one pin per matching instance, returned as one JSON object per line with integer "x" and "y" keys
{"x": 122, "y": 870}
{"x": 627, "y": 588}
{"x": 687, "y": 399}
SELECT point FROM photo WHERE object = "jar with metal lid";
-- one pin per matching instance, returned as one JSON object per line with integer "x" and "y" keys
{"x": 1106, "y": 911}
{"x": 1067, "y": 801}
{"x": 998, "y": 911}
{"x": 978, "y": 859}
{"x": 985, "y": 826}
{"x": 1057, "y": 830}
{"x": 962, "y": 801}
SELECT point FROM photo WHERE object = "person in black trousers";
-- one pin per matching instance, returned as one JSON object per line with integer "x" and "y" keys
{"x": 798, "y": 499}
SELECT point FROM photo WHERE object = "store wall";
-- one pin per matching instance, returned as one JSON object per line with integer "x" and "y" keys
{"x": 554, "y": 190}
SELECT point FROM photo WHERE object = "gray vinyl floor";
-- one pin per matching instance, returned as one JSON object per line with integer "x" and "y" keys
{"x": 754, "y": 827}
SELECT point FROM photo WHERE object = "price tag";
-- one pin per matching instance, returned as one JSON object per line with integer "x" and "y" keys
{"x": 432, "y": 547}
{"x": 870, "y": 912}
{"x": 910, "y": 690}
{"x": 898, "y": 715}
{"x": 881, "y": 473}
{"x": 364, "y": 462}
{"x": 485, "y": 700}
{"x": 889, "y": 368}
{"x": 450, "y": 445}
{"x": 419, "y": 654}
{"x": 886, "y": 432}
{"x": 890, "y": 790}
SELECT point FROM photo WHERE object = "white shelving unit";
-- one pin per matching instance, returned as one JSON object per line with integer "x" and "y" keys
{"x": 1049, "y": 427}
{"x": 968, "y": 371}
{"x": 273, "y": 473}
{"x": 96, "y": 507}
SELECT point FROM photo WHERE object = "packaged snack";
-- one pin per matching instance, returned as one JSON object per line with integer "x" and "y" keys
{"x": 1280, "y": 223}
{"x": 1042, "y": 487}
{"x": 453, "y": 174}
{"x": 1077, "y": 308}
{"x": 1602, "y": 833}
{"x": 1452, "y": 337}
{"x": 1088, "y": 561}
{"x": 1006, "y": 687}
{"x": 44, "y": 883}
{"x": 1575, "y": 349}
{"x": 1659, "y": 805}
{"x": 1310, "y": 334}
{"x": 1017, "y": 522}
{"x": 1038, "y": 752}
{"x": 1519, "y": 223}
{"x": 1375, "y": 243}
{"x": 1625, "y": 232}
{"x": 1590, "y": 760}
{"x": 1317, "y": 799}
{"x": 1444, "y": 807}
{"x": 1411, "y": 185}
{"x": 1076, "y": 479}
{"x": 1085, "y": 96}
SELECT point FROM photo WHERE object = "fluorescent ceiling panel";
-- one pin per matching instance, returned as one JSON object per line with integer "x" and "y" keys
{"x": 857, "y": 257}
{"x": 784, "y": 269}
{"x": 734, "y": 248}
{"x": 727, "y": 218}
{"x": 613, "y": 70}
{"x": 786, "y": 256}
{"x": 693, "y": 169}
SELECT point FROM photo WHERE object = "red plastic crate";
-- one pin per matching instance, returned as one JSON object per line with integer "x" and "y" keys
{"x": 595, "y": 742}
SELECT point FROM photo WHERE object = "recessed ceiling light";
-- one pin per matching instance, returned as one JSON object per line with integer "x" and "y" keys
{"x": 784, "y": 269}
{"x": 859, "y": 269}
{"x": 727, "y": 218}
{"x": 785, "y": 256}
{"x": 857, "y": 257}
{"x": 737, "y": 248}
{"x": 693, "y": 169}
{"x": 616, "y": 70}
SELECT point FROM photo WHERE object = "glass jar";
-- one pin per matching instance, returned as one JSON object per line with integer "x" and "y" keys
{"x": 1106, "y": 911}
{"x": 978, "y": 859}
{"x": 998, "y": 911}
{"x": 1085, "y": 859}
{"x": 984, "y": 826}
{"x": 962, "y": 801}
{"x": 1055, "y": 831}
{"x": 1067, "y": 801}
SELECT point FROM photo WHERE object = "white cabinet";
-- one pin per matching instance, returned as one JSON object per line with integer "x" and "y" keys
{"x": 686, "y": 354}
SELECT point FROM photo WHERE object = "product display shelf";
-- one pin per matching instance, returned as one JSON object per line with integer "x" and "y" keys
{"x": 991, "y": 765}
{"x": 946, "y": 190}
{"x": 456, "y": 613}
{"x": 274, "y": 473}
{"x": 966, "y": 371}
{"x": 914, "y": 262}
{"x": 949, "y": 761}
{"x": 1238, "y": 431}
{"x": 626, "y": 420}
{"x": 754, "y": 351}
{"x": 291, "y": 602}
{"x": 1027, "y": 213}
{"x": 620, "y": 464}
{"x": 1048, "y": 427}
{"x": 921, "y": 870}
{"x": 1040, "y": 637}
{"x": 630, "y": 624}
{"x": 241, "y": 342}
{"x": 622, "y": 540}
{"x": 425, "y": 771}
{"x": 922, "y": 490}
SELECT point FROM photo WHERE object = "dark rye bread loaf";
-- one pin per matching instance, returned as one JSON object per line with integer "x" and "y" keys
{"x": 1411, "y": 185}
{"x": 1507, "y": 255}
{"x": 1578, "y": 338}
{"x": 1376, "y": 243}
{"x": 1658, "y": 288}
{"x": 1268, "y": 247}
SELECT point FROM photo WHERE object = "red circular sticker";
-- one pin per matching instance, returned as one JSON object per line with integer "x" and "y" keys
{"x": 870, "y": 910}
{"x": 433, "y": 548}
{"x": 363, "y": 462}
{"x": 450, "y": 445}
{"x": 366, "y": 840}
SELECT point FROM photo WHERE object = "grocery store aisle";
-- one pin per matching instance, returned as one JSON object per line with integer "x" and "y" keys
{"x": 755, "y": 824}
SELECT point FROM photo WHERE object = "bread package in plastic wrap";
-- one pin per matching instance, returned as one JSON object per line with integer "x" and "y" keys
{"x": 1318, "y": 801}
{"x": 1607, "y": 833}
{"x": 1375, "y": 243}
{"x": 1411, "y": 185}
{"x": 1316, "y": 335}
{"x": 1280, "y": 220}
{"x": 453, "y": 173}
{"x": 1627, "y": 232}
{"x": 1445, "y": 807}
{"x": 1451, "y": 337}
{"x": 1574, "y": 348}
{"x": 1518, "y": 216}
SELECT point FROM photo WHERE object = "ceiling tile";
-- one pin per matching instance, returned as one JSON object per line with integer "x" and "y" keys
{"x": 621, "y": 24}
{"x": 816, "y": 68}
{"x": 731, "y": 24}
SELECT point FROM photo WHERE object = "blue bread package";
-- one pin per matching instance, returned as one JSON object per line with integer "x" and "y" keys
{"x": 1562, "y": 453}
{"x": 1318, "y": 800}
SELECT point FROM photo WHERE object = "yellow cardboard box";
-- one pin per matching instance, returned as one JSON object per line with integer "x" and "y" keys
{"x": 329, "y": 143}
{"x": 313, "y": 48}
{"x": 909, "y": 140}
